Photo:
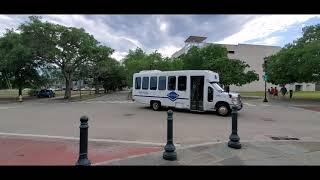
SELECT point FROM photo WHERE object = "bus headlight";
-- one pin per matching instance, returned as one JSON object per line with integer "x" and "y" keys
{"x": 234, "y": 100}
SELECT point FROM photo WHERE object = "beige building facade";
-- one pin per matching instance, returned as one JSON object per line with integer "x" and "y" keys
{"x": 254, "y": 56}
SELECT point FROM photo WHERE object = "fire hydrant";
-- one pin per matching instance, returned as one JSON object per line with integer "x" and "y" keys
{"x": 20, "y": 98}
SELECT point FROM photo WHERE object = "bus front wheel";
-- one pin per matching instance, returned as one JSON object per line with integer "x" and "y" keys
{"x": 155, "y": 105}
{"x": 223, "y": 109}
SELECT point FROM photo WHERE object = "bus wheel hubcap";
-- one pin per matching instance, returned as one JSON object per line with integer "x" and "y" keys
{"x": 155, "y": 105}
{"x": 223, "y": 110}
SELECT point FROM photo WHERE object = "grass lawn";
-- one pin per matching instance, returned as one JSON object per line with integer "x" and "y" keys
{"x": 14, "y": 93}
{"x": 312, "y": 95}
{"x": 73, "y": 93}
{"x": 11, "y": 93}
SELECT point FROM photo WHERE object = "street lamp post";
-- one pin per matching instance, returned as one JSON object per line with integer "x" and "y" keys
{"x": 265, "y": 82}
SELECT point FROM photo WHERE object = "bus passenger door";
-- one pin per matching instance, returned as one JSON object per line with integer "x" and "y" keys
{"x": 196, "y": 93}
{"x": 209, "y": 98}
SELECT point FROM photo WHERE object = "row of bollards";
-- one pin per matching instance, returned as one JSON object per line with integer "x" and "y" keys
{"x": 169, "y": 153}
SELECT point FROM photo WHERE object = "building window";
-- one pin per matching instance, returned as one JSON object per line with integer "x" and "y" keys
{"x": 138, "y": 83}
{"x": 145, "y": 82}
{"x": 182, "y": 83}
{"x": 171, "y": 83}
{"x": 162, "y": 83}
{"x": 231, "y": 52}
{"x": 153, "y": 83}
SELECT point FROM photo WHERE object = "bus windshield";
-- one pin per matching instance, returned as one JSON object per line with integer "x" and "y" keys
{"x": 217, "y": 86}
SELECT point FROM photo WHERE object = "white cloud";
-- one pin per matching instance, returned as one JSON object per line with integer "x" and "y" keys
{"x": 272, "y": 41}
{"x": 100, "y": 30}
{"x": 8, "y": 22}
{"x": 163, "y": 27}
{"x": 263, "y": 26}
{"x": 119, "y": 55}
{"x": 168, "y": 50}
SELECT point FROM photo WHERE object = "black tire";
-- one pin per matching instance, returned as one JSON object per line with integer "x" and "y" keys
{"x": 223, "y": 109}
{"x": 155, "y": 105}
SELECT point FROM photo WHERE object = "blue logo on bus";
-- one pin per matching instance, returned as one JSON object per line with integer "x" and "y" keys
{"x": 173, "y": 96}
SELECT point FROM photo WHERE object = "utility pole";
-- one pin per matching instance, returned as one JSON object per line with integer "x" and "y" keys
{"x": 265, "y": 77}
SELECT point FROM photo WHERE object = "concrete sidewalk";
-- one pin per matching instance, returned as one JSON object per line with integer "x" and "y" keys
{"x": 252, "y": 153}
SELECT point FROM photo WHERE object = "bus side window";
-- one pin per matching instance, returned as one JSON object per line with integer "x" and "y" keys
{"x": 162, "y": 83}
{"x": 182, "y": 83}
{"x": 145, "y": 83}
{"x": 171, "y": 83}
{"x": 138, "y": 83}
{"x": 210, "y": 94}
{"x": 153, "y": 83}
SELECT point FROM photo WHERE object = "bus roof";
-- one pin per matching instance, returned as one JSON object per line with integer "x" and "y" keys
{"x": 180, "y": 71}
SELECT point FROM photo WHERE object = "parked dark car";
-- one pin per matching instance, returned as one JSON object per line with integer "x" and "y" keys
{"x": 46, "y": 93}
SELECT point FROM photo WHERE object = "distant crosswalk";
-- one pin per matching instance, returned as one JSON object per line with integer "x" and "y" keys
{"x": 5, "y": 108}
{"x": 253, "y": 104}
{"x": 249, "y": 104}
{"x": 106, "y": 102}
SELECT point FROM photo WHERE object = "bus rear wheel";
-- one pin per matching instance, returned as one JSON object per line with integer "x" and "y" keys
{"x": 155, "y": 105}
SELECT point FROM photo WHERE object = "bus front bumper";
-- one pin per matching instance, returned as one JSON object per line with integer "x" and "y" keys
{"x": 239, "y": 106}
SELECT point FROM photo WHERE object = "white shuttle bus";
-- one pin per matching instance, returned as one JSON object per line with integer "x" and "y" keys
{"x": 196, "y": 90}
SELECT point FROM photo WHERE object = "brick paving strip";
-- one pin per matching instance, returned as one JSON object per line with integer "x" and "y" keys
{"x": 16, "y": 150}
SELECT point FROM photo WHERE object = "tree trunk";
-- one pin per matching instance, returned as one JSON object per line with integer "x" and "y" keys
{"x": 20, "y": 91}
{"x": 67, "y": 93}
{"x": 96, "y": 89}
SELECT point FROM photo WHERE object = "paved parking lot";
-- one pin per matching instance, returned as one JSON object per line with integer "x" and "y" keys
{"x": 113, "y": 117}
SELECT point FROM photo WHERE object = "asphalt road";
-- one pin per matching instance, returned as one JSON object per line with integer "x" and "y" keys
{"x": 113, "y": 117}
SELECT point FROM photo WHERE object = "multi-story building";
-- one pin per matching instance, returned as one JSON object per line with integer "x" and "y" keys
{"x": 253, "y": 55}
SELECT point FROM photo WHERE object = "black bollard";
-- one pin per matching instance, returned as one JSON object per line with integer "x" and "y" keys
{"x": 169, "y": 153}
{"x": 234, "y": 138}
{"x": 83, "y": 152}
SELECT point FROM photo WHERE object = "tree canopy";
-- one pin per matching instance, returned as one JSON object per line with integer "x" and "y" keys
{"x": 298, "y": 61}
{"x": 17, "y": 62}
{"x": 215, "y": 58}
{"x": 64, "y": 47}
{"x": 211, "y": 57}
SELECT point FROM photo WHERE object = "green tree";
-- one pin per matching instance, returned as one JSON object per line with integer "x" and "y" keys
{"x": 298, "y": 61}
{"x": 17, "y": 62}
{"x": 215, "y": 58}
{"x": 139, "y": 60}
{"x": 65, "y": 47}
{"x": 135, "y": 61}
{"x": 100, "y": 64}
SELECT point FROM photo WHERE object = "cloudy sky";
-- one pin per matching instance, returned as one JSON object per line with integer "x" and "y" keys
{"x": 166, "y": 33}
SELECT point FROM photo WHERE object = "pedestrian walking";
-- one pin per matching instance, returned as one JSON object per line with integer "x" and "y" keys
{"x": 283, "y": 90}
{"x": 290, "y": 92}
{"x": 275, "y": 91}
{"x": 272, "y": 91}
